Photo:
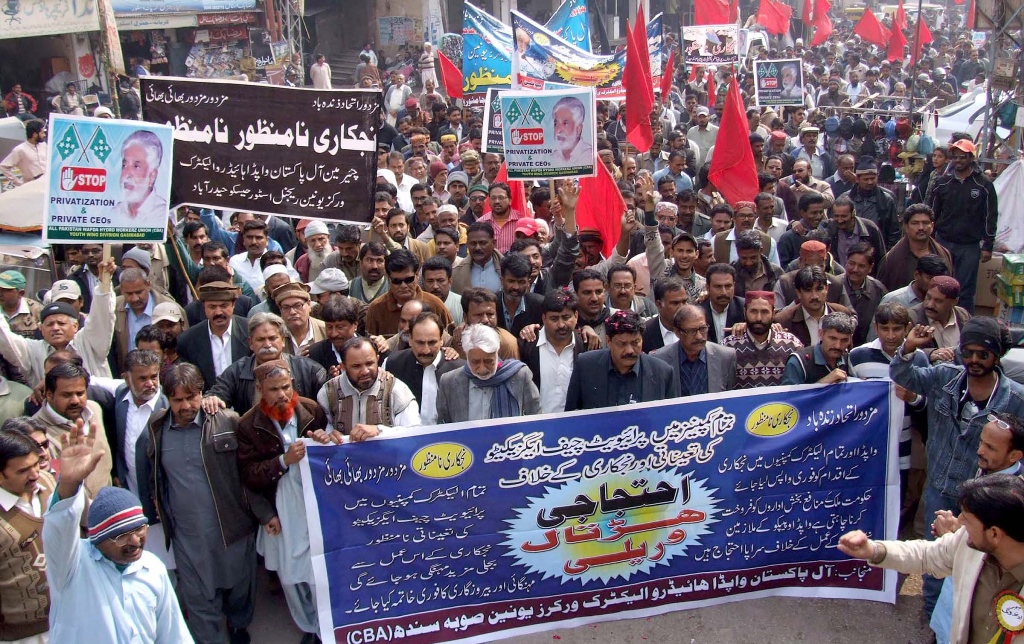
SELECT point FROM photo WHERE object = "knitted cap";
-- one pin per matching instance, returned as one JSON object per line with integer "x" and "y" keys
{"x": 114, "y": 512}
{"x": 140, "y": 257}
{"x": 986, "y": 332}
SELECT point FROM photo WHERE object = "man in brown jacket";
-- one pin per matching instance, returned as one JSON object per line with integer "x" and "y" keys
{"x": 269, "y": 445}
{"x": 382, "y": 318}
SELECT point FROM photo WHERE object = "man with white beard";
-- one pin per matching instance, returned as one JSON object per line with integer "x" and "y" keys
{"x": 569, "y": 115}
{"x": 141, "y": 156}
{"x": 318, "y": 247}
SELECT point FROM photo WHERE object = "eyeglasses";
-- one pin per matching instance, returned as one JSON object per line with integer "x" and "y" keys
{"x": 44, "y": 445}
{"x": 701, "y": 330}
{"x": 403, "y": 280}
{"x": 1001, "y": 424}
{"x": 293, "y": 307}
{"x": 122, "y": 540}
{"x": 93, "y": 251}
{"x": 478, "y": 199}
{"x": 980, "y": 354}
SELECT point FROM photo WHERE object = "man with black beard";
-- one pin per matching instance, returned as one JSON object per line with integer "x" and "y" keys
{"x": 268, "y": 446}
{"x": 221, "y": 338}
{"x": 960, "y": 399}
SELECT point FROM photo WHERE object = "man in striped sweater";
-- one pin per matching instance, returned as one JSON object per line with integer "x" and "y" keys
{"x": 761, "y": 351}
{"x": 871, "y": 360}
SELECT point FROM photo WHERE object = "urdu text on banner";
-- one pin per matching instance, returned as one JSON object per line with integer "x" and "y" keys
{"x": 474, "y": 532}
{"x": 269, "y": 149}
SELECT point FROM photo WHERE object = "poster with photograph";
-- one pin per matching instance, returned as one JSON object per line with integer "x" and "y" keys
{"x": 549, "y": 134}
{"x": 711, "y": 44}
{"x": 779, "y": 82}
{"x": 109, "y": 180}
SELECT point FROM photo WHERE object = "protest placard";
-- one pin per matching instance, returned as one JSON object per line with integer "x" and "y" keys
{"x": 494, "y": 138}
{"x": 304, "y": 153}
{"x": 710, "y": 44}
{"x": 109, "y": 181}
{"x": 484, "y": 530}
{"x": 779, "y": 82}
{"x": 549, "y": 134}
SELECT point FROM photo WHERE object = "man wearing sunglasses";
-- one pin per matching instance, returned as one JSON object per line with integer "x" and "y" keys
{"x": 385, "y": 312}
{"x": 966, "y": 213}
{"x": 960, "y": 398}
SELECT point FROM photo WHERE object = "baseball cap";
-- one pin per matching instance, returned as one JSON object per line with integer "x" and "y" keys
{"x": 57, "y": 308}
{"x": 964, "y": 145}
{"x": 65, "y": 290}
{"x": 703, "y": 110}
{"x": 12, "y": 279}
{"x": 527, "y": 226}
{"x": 166, "y": 312}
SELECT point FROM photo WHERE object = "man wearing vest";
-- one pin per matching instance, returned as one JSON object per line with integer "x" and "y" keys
{"x": 24, "y": 494}
{"x": 364, "y": 400}
{"x": 826, "y": 362}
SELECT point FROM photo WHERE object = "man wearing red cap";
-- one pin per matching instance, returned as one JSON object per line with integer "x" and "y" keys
{"x": 967, "y": 211}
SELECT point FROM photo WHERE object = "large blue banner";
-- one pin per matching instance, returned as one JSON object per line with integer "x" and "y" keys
{"x": 543, "y": 60}
{"x": 473, "y": 532}
{"x": 487, "y": 43}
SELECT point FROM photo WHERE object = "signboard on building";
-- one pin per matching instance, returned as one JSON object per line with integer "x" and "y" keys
{"x": 132, "y": 7}
{"x": 48, "y": 18}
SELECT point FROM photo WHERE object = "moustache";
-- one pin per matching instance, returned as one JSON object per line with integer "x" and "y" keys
{"x": 266, "y": 351}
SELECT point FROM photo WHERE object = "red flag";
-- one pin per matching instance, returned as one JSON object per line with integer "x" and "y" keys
{"x": 822, "y": 22}
{"x": 897, "y": 41}
{"x": 712, "y": 12}
{"x": 734, "y": 12}
{"x": 518, "y": 199}
{"x": 970, "y": 16}
{"x": 601, "y": 206}
{"x": 638, "y": 90}
{"x": 732, "y": 167}
{"x": 640, "y": 34}
{"x": 667, "y": 75}
{"x": 451, "y": 76}
{"x": 712, "y": 90}
{"x": 871, "y": 30}
{"x": 924, "y": 36}
{"x": 774, "y": 16}
{"x": 900, "y": 20}
{"x": 807, "y": 16}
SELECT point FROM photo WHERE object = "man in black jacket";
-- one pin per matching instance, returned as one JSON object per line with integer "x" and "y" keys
{"x": 846, "y": 230}
{"x": 621, "y": 374}
{"x": 219, "y": 340}
{"x": 722, "y": 308}
{"x": 236, "y": 387}
{"x": 423, "y": 363}
{"x": 875, "y": 203}
{"x": 966, "y": 215}
{"x": 517, "y": 306}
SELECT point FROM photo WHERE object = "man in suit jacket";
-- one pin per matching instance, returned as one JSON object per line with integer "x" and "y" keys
{"x": 486, "y": 388}
{"x": 701, "y": 367}
{"x": 136, "y": 400}
{"x": 722, "y": 308}
{"x": 517, "y": 307}
{"x": 422, "y": 365}
{"x": 133, "y": 309}
{"x": 621, "y": 374}
{"x": 222, "y": 339}
{"x": 236, "y": 387}
{"x": 481, "y": 267}
{"x": 552, "y": 356}
{"x": 669, "y": 294}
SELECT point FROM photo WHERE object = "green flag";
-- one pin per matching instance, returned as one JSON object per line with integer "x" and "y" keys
{"x": 100, "y": 147}
{"x": 69, "y": 143}
{"x": 535, "y": 112}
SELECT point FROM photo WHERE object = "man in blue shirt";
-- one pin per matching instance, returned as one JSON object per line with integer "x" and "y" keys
{"x": 675, "y": 171}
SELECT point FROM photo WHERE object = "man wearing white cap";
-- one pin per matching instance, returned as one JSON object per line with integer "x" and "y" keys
{"x": 329, "y": 282}
{"x": 703, "y": 133}
{"x": 318, "y": 247}
{"x": 274, "y": 277}
{"x": 167, "y": 317}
